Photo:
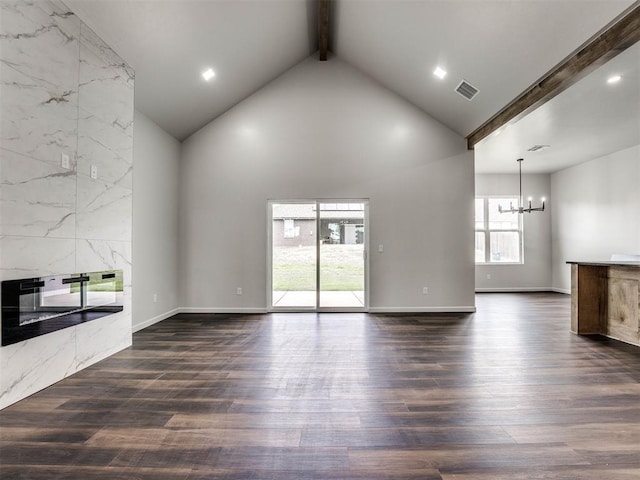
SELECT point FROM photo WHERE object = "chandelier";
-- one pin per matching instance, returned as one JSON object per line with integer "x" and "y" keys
{"x": 520, "y": 208}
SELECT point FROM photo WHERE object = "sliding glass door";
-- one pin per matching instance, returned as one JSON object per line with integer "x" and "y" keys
{"x": 318, "y": 255}
{"x": 294, "y": 255}
{"x": 342, "y": 255}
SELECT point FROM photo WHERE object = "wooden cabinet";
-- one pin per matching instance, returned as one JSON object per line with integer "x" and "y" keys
{"x": 605, "y": 300}
{"x": 623, "y": 305}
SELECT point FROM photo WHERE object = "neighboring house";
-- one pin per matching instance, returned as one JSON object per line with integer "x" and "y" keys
{"x": 295, "y": 224}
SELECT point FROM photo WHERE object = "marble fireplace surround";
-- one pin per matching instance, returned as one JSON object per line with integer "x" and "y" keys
{"x": 65, "y": 94}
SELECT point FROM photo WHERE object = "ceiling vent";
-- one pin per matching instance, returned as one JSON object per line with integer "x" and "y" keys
{"x": 467, "y": 90}
{"x": 536, "y": 148}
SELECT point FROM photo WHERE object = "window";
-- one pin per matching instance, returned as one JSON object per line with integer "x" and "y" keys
{"x": 290, "y": 230}
{"x": 498, "y": 235}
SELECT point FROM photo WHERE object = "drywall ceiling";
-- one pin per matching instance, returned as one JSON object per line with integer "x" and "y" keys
{"x": 591, "y": 119}
{"x": 500, "y": 46}
{"x": 170, "y": 43}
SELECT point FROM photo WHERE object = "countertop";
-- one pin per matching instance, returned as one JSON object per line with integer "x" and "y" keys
{"x": 607, "y": 263}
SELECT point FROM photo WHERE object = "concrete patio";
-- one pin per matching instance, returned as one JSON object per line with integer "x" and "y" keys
{"x": 307, "y": 299}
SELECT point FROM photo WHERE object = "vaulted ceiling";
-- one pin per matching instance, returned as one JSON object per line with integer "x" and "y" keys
{"x": 591, "y": 119}
{"x": 170, "y": 43}
{"x": 501, "y": 47}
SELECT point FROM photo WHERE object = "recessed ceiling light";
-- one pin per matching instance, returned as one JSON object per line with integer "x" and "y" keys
{"x": 208, "y": 74}
{"x": 614, "y": 78}
{"x": 440, "y": 73}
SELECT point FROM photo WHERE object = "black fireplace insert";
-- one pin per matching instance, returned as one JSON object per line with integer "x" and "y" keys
{"x": 35, "y": 306}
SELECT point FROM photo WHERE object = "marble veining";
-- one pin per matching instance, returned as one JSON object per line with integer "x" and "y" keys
{"x": 103, "y": 210}
{"x": 114, "y": 332}
{"x": 36, "y": 198}
{"x": 107, "y": 146}
{"x": 96, "y": 255}
{"x": 63, "y": 91}
{"x": 42, "y": 360}
{"x": 35, "y": 121}
{"x": 109, "y": 99}
{"x": 38, "y": 12}
{"x": 39, "y": 50}
{"x": 105, "y": 88}
{"x": 107, "y": 57}
{"x": 41, "y": 41}
{"x": 24, "y": 257}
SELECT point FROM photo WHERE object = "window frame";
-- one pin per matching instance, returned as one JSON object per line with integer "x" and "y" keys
{"x": 487, "y": 231}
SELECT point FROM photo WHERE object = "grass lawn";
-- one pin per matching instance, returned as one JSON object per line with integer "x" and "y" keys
{"x": 342, "y": 268}
{"x": 100, "y": 286}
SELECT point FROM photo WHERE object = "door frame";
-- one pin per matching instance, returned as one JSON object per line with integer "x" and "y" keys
{"x": 317, "y": 307}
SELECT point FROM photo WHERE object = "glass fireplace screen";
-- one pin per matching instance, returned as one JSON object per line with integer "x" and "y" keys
{"x": 36, "y": 306}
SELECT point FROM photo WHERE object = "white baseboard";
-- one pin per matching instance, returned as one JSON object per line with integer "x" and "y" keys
{"x": 158, "y": 318}
{"x": 514, "y": 290}
{"x": 456, "y": 309}
{"x": 562, "y": 290}
{"x": 248, "y": 311}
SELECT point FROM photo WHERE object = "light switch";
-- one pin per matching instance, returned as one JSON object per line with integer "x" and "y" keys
{"x": 65, "y": 161}
{"x": 380, "y": 248}
{"x": 94, "y": 172}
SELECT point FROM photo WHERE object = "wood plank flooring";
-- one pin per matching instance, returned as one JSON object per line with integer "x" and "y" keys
{"x": 506, "y": 393}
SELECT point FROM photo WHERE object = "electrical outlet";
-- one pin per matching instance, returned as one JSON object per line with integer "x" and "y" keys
{"x": 94, "y": 172}
{"x": 488, "y": 276}
{"x": 65, "y": 162}
{"x": 380, "y": 248}
{"x": 425, "y": 290}
{"x": 155, "y": 298}
{"x": 239, "y": 291}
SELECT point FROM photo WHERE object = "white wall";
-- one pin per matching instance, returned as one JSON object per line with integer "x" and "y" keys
{"x": 64, "y": 91}
{"x": 596, "y": 211}
{"x": 155, "y": 223}
{"x": 324, "y": 130}
{"x": 535, "y": 272}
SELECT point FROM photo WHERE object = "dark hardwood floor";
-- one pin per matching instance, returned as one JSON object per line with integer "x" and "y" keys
{"x": 506, "y": 393}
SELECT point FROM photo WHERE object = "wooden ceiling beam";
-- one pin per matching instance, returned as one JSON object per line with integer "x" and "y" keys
{"x": 323, "y": 29}
{"x": 612, "y": 40}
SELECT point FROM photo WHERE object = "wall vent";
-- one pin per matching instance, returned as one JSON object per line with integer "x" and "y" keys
{"x": 467, "y": 90}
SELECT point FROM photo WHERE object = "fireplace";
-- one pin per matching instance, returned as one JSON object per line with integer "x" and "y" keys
{"x": 36, "y": 306}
